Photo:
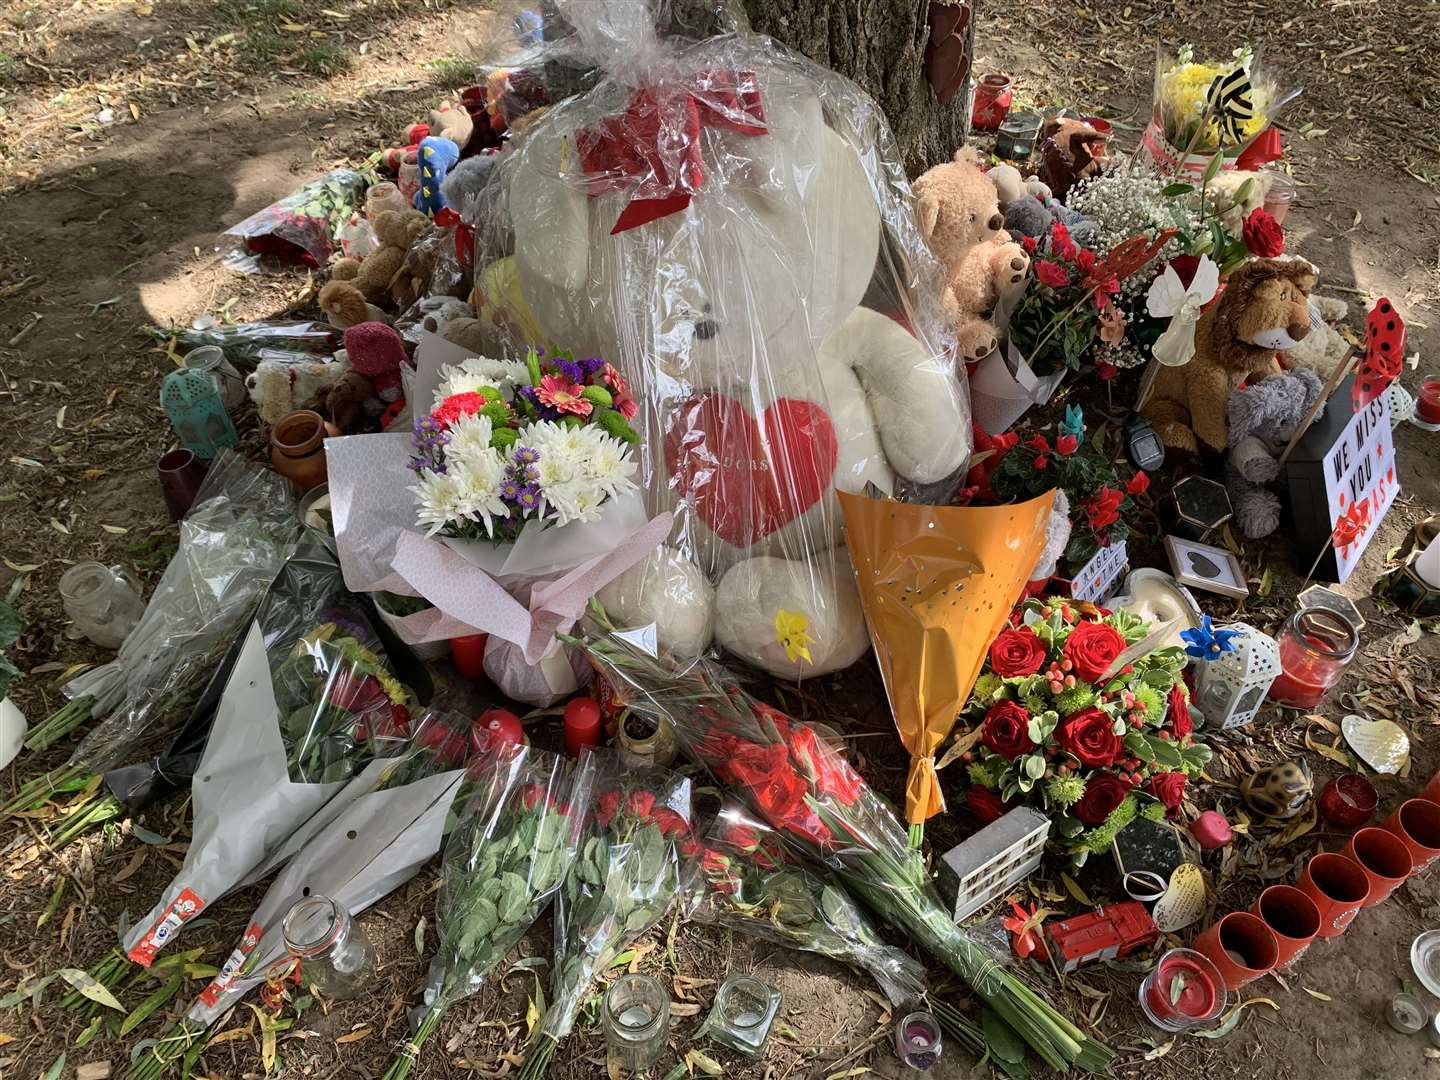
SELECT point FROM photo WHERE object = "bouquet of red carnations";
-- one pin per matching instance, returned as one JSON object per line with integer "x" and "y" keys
{"x": 824, "y": 810}
{"x": 748, "y": 880}
{"x": 1072, "y": 716}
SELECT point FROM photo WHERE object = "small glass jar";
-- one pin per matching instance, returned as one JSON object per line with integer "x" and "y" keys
{"x": 744, "y": 1009}
{"x": 335, "y": 955}
{"x": 182, "y": 474}
{"x": 1184, "y": 989}
{"x": 993, "y": 95}
{"x": 1316, "y": 646}
{"x": 211, "y": 360}
{"x": 1016, "y": 140}
{"x": 645, "y": 740}
{"x": 103, "y": 603}
{"x": 635, "y": 1017}
{"x": 1427, "y": 403}
{"x": 1348, "y": 801}
{"x": 918, "y": 1041}
{"x": 1279, "y": 196}
{"x": 382, "y": 197}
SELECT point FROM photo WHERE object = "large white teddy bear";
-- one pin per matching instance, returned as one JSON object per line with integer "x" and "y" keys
{"x": 734, "y": 308}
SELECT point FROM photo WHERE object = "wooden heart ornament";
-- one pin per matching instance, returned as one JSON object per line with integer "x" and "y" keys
{"x": 748, "y": 477}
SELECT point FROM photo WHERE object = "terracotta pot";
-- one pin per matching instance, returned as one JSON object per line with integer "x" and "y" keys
{"x": 1384, "y": 858}
{"x": 1417, "y": 823}
{"x": 1292, "y": 917}
{"x": 1241, "y": 947}
{"x": 1339, "y": 887}
{"x": 297, "y": 448}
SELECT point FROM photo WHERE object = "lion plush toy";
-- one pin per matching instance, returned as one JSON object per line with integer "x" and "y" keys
{"x": 1263, "y": 311}
{"x": 725, "y": 282}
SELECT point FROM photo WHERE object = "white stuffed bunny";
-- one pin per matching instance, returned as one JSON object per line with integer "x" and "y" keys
{"x": 733, "y": 307}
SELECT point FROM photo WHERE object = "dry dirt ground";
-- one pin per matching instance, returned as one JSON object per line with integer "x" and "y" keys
{"x": 132, "y": 132}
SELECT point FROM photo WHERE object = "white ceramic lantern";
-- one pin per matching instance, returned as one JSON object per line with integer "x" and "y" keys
{"x": 1231, "y": 689}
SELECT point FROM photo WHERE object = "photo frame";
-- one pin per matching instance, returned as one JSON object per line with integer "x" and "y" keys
{"x": 1205, "y": 566}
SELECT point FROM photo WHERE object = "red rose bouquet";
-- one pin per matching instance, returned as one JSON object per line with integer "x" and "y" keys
{"x": 1064, "y": 718}
{"x": 824, "y": 811}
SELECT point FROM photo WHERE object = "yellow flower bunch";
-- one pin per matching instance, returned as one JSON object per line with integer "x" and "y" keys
{"x": 1182, "y": 101}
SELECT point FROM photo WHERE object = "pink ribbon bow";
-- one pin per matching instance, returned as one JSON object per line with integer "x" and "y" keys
{"x": 657, "y": 141}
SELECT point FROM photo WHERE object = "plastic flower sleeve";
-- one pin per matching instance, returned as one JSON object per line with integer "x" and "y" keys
{"x": 301, "y": 229}
{"x": 747, "y": 879}
{"x": 293, "y": 726}
{"x": 520, "y": 830}
{"x": 728, "y": 225}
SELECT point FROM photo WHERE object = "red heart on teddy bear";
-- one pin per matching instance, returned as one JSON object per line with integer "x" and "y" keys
{"x": 747, "y": 479}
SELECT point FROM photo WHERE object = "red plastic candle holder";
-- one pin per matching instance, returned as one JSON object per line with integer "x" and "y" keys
{"x": 1292, "y": 917}
{"x": 1348, "y": 801}
{"x": 468, "y": 652}
{"x": 1339, "y": 886}
{"x": 1315, "y": 649}
{"x": 1384, "y": 858}
{"x": 1417, "y": 824}
{"x": 994, "y": 94}
{"x": 1241, "y": 947}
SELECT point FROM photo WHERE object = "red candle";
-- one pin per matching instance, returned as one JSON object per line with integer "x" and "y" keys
{"x": 582, "y": 725}
{"x": 1184, "y": 989}
{"x": 1348, "y": 801}
{"x": 1315, "y": 648}
{"x": 500, "y": 725}
{"x": 1428, "y": 406}
{"x": 993, "y": 95}
{"x": 468, "y": 652}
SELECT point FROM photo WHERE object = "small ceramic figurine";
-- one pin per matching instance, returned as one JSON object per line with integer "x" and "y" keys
{"x": 1280, "y": 791}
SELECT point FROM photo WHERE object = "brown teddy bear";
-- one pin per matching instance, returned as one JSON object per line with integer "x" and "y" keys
{"x": 397, "y": 231}
{"x": 1264, "y": 310}
{"x": 958, "y": 212}
{"x": 345, "y": 306}
{"x": 1071, "y": 150}
{"x": 344, "y": 401}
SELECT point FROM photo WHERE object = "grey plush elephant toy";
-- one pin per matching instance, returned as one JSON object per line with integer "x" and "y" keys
{"x": 1261, "y": 419}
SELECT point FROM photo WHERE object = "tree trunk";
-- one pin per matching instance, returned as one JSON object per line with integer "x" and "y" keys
{"x": 881, "y": 46}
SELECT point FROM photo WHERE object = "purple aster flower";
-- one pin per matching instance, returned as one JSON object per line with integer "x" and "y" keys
{"x": 525, "y": 455}
{"x": 529, "y": 499}
{"x": 510, "y": 491}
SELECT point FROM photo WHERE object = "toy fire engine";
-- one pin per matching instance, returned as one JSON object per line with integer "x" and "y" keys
{"x": 1110, "y": 931}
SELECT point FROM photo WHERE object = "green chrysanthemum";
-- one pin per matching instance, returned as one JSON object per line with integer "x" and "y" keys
{"x": 1098, "y": 840}
{"x": 1076, "y": 698}
{"x": 1151, "y": 701}
{"x": 1064, "y": 790}
{"x": 983, "y": 774}
{"x": 1153, "y": 811}
{"x": 1036, "y": 703}
{"x": 986, "y": 687}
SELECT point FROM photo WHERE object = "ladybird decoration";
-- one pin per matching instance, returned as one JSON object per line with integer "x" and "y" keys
{"x": 1281, "y": 791}
{"x": 1384, "y": 354}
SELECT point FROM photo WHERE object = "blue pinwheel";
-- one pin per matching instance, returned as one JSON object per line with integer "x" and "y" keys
{"x": 1204, "y": 642}
{"x": 1074, "y": 423}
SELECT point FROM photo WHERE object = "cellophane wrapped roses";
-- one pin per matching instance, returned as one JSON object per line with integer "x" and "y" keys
{"x": 1062, "y": 720}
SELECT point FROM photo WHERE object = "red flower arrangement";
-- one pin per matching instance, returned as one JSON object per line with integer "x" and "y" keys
{"x": 1263, "y": 235}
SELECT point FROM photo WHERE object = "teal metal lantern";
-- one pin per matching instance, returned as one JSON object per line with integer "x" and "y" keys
{"x": 192, "y": 402}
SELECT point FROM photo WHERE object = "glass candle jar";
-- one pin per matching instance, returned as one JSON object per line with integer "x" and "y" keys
{"x": 181, "y": 476}
{"x": 1279, "y": 196}
{"x": 918, "y": 1041}
{"x": 1427, "y": 405}
{"x": 228, "y": 382}
{"x": 744, "y": 1009}
{"x": 635, "y": 1017}
{"x": 1348, "y": 801}
{"x": 103, "y": 603}
{"x": 1018, "y": 132}
{"x": 993, "y": 95}
{"x": 1315, "y": 648}
{"x": 335, "y": 955}
{"x": 1183, "y": 989}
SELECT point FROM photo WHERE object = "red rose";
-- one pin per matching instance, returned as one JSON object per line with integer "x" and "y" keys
{"x": 671, "y": 824}
{"x": 606, "y": 805}
{"x": 985, "y": 806}
{"x": 1185, "y": 267}
{"x": 1017, "y": 653}
{"x": 1052, "y": 274}
{"x": 1262, "y": 235}
{"x": 1169, "y": 788}
{"x": 532, "y": 795}
{"x": 690, "y": 847}
{"x": 640, "y": 803}
{"x": 832, "y": 773}
{"x": 768, "y": 854}
{"x": 1085, "y": 260}
{"x": 1181, "y": 722}
{"x": 1137, "y": 484}
{"x": 1039, "y": 442}
{"x": 1067, "y": 444}
{"x": 713, "y": 862}
{"x": 1060, "y": 242}
{"x": 1041, "y": 462}
{"x": 1028, "y": 243}
{"x": 1007, "y": 730}
{"x": 1106, "y": 370}
{"x": 1103, "y": 793}
{"x": 742, "y": 838}
{"x": 355, "y": 691}
{"x": 1090, "y": 735}
{"x": 1092, "y": 647}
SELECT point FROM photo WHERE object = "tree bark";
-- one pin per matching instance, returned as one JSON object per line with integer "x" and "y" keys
{"x": 880, "y": 45}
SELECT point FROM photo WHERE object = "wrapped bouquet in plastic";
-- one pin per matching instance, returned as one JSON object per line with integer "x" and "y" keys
{"x": 521, "y": 830}
{"x": 628, "y": 873}
{"x": 803, "y": 789}
{"x": 747, "y": 879}
{"x": 294, "y": 725}
{"x": 729, "y": 226}
{"x": 301, "y": 229}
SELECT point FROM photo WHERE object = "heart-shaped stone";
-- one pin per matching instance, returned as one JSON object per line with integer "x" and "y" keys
{"x": 747, "y": 479}
{"x": 1381, "y": 744}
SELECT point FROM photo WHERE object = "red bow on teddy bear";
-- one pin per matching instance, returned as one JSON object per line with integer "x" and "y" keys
{"x": 657, "y": 140}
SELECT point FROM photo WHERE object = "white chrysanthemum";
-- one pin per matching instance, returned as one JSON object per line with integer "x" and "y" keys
{"x": 477, "y": 371}
{"x": 468, "y": 492}
{"x": 579, "y": 468}
{"x": 469, "y": 436}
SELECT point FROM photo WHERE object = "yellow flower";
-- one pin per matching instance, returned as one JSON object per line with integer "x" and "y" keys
{"x": 792, "y": 630}
{"x": 323, "y": 632}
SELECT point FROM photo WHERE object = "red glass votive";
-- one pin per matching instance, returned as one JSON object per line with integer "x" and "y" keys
{"x": 582, "y": 725}
{"x": 1348, "y": 801}
{"x": 1200, "y": 997}
{"x": 1427, "y": 406}
{"x": 468, "y": 652}
{"x": 994, "y": 94}
{"x": 1315, "y": 649}
{"x": 181, "y": 474}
